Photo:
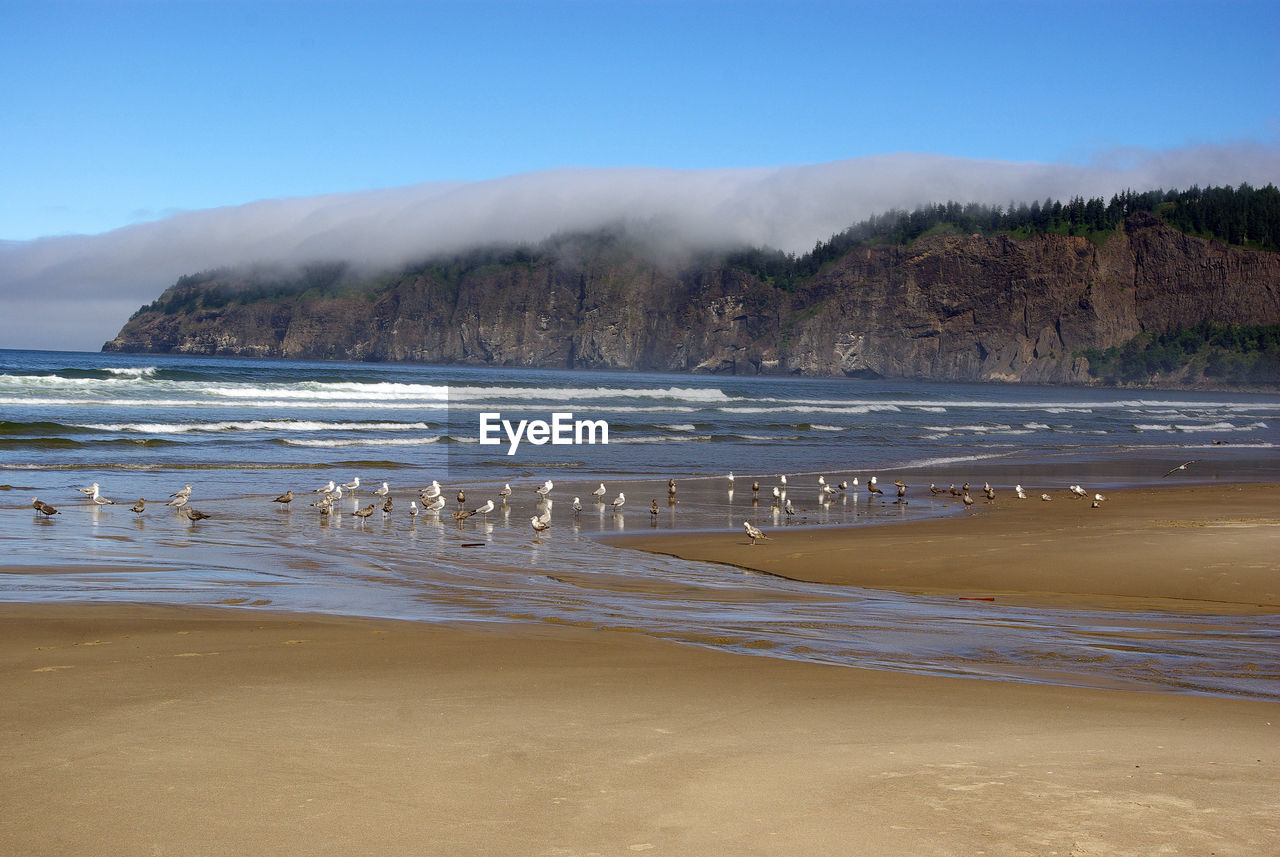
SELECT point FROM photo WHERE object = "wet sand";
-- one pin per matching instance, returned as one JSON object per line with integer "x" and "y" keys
{"x": 1206, "y": 546}
{"x": 164, "y": 730}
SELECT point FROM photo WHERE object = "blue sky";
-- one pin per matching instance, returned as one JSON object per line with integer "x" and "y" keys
{"x": 118, "y": 112}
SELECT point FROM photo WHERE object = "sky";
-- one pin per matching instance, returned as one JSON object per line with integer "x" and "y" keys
{"x": 145, "y": 140}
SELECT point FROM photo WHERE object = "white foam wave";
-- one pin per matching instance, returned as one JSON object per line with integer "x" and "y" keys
{"x": 133, "y": 371}
{"x": 817, "y": 427}
{"x": 325, "y": 443}
{"x": 681, "y": 427}
{"x": 660, "y": 438}
{"x": 543, "y": 394}
{"x": 251, "y": 425}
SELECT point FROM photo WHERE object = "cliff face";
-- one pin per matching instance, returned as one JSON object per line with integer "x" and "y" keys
{"x": 949, "y": 307}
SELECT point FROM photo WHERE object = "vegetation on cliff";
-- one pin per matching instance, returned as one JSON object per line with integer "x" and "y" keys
{"x": 1208, "y": 352}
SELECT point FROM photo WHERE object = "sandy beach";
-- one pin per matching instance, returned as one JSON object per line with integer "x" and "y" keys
{"x": 153, "y": 730}
{"x": 171, "y": 730}
{"x": 1204, "y": 547}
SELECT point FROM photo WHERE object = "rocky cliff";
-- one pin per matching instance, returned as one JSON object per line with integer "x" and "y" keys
{"x": 947, "y": 307}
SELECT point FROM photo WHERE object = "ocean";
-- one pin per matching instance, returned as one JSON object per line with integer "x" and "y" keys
{"x": 242, "y": 431}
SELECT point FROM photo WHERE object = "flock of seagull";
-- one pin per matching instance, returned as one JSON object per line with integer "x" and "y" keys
{"x": 433, "y": 501}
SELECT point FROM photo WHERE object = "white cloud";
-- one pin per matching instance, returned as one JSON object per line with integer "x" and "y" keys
{"x": 75, "y": 292}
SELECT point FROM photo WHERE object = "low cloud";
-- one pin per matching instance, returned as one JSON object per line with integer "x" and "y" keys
{"x": 74, "y": 292}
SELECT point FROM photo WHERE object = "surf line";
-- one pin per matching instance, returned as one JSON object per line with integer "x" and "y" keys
{"x": 562, "y": 430}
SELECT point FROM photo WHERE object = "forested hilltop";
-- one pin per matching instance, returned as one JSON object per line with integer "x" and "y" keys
{"x": 1086, "y": 291}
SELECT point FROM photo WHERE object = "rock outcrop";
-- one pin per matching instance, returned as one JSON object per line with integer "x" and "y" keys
{"x": 947, "y": 307}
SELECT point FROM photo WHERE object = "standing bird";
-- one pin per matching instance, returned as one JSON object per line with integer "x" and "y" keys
{"x": 1078, "y": 491}
{"x": 483, "y": 509}
{"x": 599, "y": 493}
{"x": 462, "y": 496}
{"x": 902, "y": 493}
{"x": 539, "y": 526}
{"x": 777, "y": 495}
{"x": 363, "y": 514}
{"x": 990, "y": 492}
{"x": 325, "y": 489}
{"x": 872, "y": 487}
{"x": 137, "y": 507}
{"x": 387, "y": 506}
{"x": 102, "y": 501}
{"x": 619, "y": 502}
{"x": 730, "y": 480}
{"x": 435, "y": 505}
{"x": 788, "y": 508}
{"x": 413, "y": 508}
{"x": 968, "y": 501}
{"x": 577, "y": 505}
{"x": 431, "y": 492}
{"x": 43, "y": 508}
{"x": 91, "y": 491}
{"x": 755, "y": 487}
{"x": 284, "y": 499}
{"x": 653, "y": 510}
{"x": 753, "y": 533}
{"x": 353, "y": 486}
{"x": 1017, "y": 489}
{"x": 191, "y": 514}
{"x": 934, "y": 489}
{"x": 184, "y": 495}
{"x": 544, "y": 489}
{"x": 1182, "y": 466}
{"x": 382, "y": 491}
{"x": 505, "y": 491}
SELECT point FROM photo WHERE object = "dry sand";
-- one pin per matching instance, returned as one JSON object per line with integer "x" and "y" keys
{"x": 1217, "y": 546}
{"x": 163, "y": 731}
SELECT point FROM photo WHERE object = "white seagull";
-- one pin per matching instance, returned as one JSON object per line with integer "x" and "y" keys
{"x": 483, "y": 509}
{"x": 539, "y": 525}
{"x": 505, "y": 491}
{"x": 599, "y": 493}
{"x": 544, "y": 489}
{"x": 619, "y": 501}
{"x": 753, "y": 533}
{"x": 382, "y": 491}
{"x": 1182, "y": 466}
{"x": 326, "y": 489}
{"x": 353, "y": 486}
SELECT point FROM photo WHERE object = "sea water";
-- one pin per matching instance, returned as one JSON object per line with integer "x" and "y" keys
{"x": 242, "y": 431}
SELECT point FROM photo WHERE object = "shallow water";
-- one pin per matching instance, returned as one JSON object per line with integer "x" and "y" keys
{"x": 243, "y": 431}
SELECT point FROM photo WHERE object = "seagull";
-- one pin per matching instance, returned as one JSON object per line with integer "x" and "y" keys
{"x": 324, "y": 504}
{"x": 777, "y": 494}
{"x": 844, "y": 484}
{"x": 934, "y": 489}
{"x": 363, "y": 514}
{"x": 990, "y": 492}
{"x": 43, "y": 508}
{"x": 382, "y": 491}
{"x": 91, "y": 491}
{"x": 431, "y": 492}
{"x": 671, "y": 487}
{"x": 178, "y": 501}
{"x": 545, "y": 516}
{"x": 138, "y": 506}
{"x": 284, "y": 499}
{"x": 954, "y": 491}
{"x": 436, "y": 505}
{"x": 731, "y": 479}
{"x": 413, "y": 508}
{"x": 387, "y": 506}
{"x": 577, "y": 505}
{"x": 185, "y": 493}
{"x": 544, "y": 489}
{"x": 829, "y": 490}
{"x": 505, "y": 491}
{"x": 483, "y": 509}
{"x": 102, "y": 501}
{"x": 783, "y": 480}
{"x": 1182, "y": 466}
{"x": 788, "y": 508}
{"x": 462, "y": 496}
{"x": 822, "y": 481}
{"x": 1045, "y": 497}
{"x": 539, "y": 525}
{"x": 653, "y": 510}
{"x": 1078, "y": 491}
{"x": 902, "y": 492}
{"x": 191, "y": 514}
{"x": 1098, "y": 498}
{"x": 353, "y": 486}
{"x": 619, "y": 501}
{"x": 755, "y": 486}
{"x": 325, "y": 489}
{"x": 1017, "y": 489}
{"x": 599, "y": 493}
{"x": 753, "y": 533}
{"x": 968, "y": 501}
